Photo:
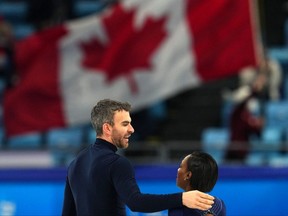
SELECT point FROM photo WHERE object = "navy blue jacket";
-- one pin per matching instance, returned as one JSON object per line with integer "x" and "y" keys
{"x": 100, "y": 182}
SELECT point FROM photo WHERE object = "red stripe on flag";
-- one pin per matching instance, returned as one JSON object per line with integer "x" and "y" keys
{"x": 222, "y": 36}
{"x": 37, "y": 92}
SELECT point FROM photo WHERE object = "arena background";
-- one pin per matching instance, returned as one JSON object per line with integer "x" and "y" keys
{"x": 32, "y": 175}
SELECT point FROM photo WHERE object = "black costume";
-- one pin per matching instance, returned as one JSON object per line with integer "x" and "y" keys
{"x": 100, "y": 182}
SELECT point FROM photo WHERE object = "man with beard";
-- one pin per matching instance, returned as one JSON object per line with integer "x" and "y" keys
{"x": 101, "y": 182}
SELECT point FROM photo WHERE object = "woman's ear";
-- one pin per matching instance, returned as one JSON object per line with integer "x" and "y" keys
{"x": 189, "y": 175}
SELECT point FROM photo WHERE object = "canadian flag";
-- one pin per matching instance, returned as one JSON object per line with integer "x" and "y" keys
{"x": 136, "y": 51}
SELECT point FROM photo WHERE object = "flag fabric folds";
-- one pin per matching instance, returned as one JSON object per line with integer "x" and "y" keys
{"x": 136, "y": 51}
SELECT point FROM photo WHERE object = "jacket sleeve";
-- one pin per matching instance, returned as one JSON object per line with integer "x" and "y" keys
{"x": 124, "y": 181}
{"x": 69, "y": 208}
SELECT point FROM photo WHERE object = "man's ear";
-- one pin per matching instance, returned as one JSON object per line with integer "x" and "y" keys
{"x": 106, "y": 128}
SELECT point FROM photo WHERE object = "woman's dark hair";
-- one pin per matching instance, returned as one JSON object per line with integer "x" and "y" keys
{"x": 204, "y": 171}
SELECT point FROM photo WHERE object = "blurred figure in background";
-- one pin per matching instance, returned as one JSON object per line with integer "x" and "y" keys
{"x": 270, "y": 68}
{"x": 274, "y": 74}
{"x": 198, "y": 171}
{"x": 257, "y": 86}
{"x": 246, "y": 120}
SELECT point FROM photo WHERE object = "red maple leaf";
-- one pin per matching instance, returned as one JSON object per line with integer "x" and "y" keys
{"x": 127, "y": 48}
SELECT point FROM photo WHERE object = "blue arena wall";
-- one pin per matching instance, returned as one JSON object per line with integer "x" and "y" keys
{"x": 257, "y": 191}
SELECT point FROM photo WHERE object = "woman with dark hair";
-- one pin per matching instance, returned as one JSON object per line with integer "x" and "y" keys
{"x": 198, "y": 171}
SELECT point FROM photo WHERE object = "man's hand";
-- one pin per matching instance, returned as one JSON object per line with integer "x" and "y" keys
{"x": 198, "y": 200}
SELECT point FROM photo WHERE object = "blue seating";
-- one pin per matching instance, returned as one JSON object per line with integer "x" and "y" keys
{"x": 276, "y": 114}
{"x": 266, "y": 147}
{"x": 278, "y": 53}
{"x": 226, "y": 111}
{"x": 286, "y": 32}
{"x": 2, "y": 136}
{"x": 285, "y": 145}
{"x": 25, "y": 141}
{"x": 13, "y": 11}
{"x": 158, "y": 110}
{"x": 91, "y": 136}
{"x": 64, "y": 143}
{"x": 83, "y": 8}
{"x": 255, "y": 158}
{"x": 285, "y": 88}
{"x": 23, "y": 30}
{"x": 215, "y": 142}
{"x": 280, "y": 158}
{"x": 272, "y": 137}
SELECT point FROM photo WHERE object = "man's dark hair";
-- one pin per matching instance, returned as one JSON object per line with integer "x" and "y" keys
{"x": 103, "y": 112}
